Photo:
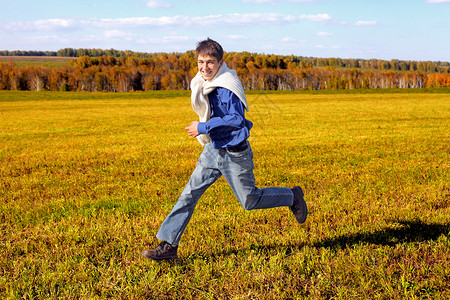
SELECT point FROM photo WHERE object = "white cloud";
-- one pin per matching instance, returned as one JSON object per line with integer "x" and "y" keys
{"x": 260, "y": 1}
{"x": 258, "y": 18}
{"x": 54, "y": 23}
{"x": 41, "y": 25}
{"x": 287, "y": 39}
{"x": 237, "y": 37}
{"x": 236, "y": 19}
{"x": 365, "y": 23}
{"x": 359, "y": 23}
{"x": 230, "y": 19}
{"x": 173, "y": 42}
{"x": 140, "y": 21}
{"x": 183, "y": 21}
{"x": 158, "y": 4}
{"x": 316, "y": 18}
{"x": 437, "y": 1}
{"x": 275, "y": 1}
{"x": 87, "y": 38}
{"x": 175, "y": 38}
{"x": 322, "y": 33}
{"x": 47, "y": 39}
{"x": 164, "y": 40}
{"x": 114, "y": 34}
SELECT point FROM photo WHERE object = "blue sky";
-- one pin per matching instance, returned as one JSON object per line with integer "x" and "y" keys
{"x": 381, "y": 29}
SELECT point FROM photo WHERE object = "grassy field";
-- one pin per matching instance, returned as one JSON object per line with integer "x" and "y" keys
{"x": 45, "y": 61}
{"x": 87, "y": 179}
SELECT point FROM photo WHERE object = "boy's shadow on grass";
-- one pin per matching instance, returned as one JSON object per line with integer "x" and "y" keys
{"x": 404, "y": 232}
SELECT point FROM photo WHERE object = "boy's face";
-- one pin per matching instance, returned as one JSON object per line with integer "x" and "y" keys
{"x": 208, "y": 66}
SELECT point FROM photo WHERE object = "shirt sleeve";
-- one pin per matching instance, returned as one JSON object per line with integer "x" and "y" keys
{"x": 231, "y": 117}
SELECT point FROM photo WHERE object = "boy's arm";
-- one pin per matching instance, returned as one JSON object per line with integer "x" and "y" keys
{"x": 234, "y": 118}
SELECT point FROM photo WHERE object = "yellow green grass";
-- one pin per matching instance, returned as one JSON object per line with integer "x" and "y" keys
{"x": 44, "y": 61}
{"x": 86, "y": 180}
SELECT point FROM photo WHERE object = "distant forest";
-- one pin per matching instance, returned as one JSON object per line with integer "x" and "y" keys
{"x": 122, "y": 71}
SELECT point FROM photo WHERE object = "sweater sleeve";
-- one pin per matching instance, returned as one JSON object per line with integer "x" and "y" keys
{"x": 228, "y": 115}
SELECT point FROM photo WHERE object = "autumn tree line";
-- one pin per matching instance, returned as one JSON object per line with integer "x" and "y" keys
{"x": 123, "y": 71}
{"x": 395, "y": 65}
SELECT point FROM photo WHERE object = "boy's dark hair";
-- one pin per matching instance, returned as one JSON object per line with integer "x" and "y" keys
{"x": 209, "y": 47}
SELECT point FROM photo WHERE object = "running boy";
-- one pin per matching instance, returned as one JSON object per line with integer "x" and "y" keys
{"x": 219, "y": 99}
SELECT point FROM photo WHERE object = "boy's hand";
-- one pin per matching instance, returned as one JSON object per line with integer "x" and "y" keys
{"x": 192, "y": 129}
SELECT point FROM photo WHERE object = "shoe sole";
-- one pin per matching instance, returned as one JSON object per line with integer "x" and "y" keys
{"x": 298, "y": 192}
{"x": 159, "y": 258}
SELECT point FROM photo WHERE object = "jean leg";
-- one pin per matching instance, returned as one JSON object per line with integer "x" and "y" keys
{"x": 238, "y": 171}
{"x": 175, "y": 223}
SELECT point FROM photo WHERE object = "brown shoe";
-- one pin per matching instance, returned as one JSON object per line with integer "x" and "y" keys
{"x": 299, "y": 208}
{"x": 164, "y": 251}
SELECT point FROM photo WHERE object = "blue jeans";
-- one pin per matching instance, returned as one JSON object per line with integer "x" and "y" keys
{"x": 237, "y": 168}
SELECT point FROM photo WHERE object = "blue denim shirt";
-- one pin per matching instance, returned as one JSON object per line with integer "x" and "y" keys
{"x": 227, "y": 126}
